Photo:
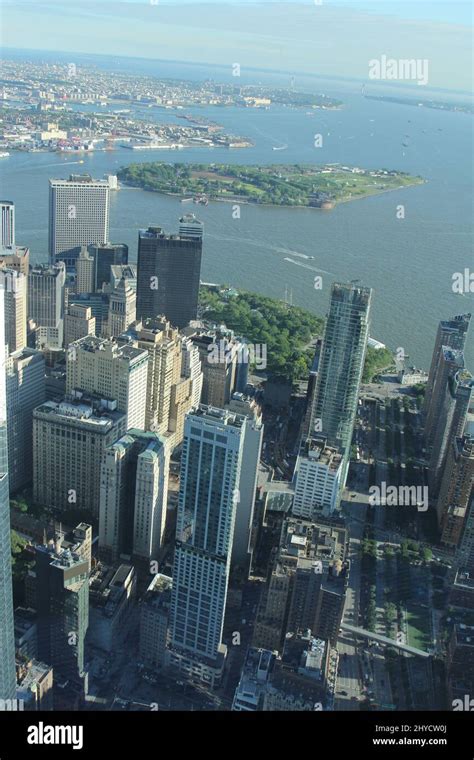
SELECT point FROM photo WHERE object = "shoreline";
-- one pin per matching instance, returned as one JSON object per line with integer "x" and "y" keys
{"x": 126, "y": 186}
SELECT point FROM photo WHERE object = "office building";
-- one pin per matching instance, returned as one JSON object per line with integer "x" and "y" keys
{"x": 85, "y": 272}
{"x": 78, "y": 215}
{"x": 252, "y": 446}
{"x": 250, "y": 693}
{"x": 456, "y": 492}
{"x": 340, "y": 368}
{"x": 317, "y": 479}
{"x": 26, "y": 633}
{"x": 14, "y": 285}
{"x": 163, "y": 344}
{"x": 307, "y": 586}
{"x": 126, "y": 272}
{"x": 451, "y": 394}
{"x": 210, "y": 471}
{"x": 16, "y": 257}
{"x": 220, "y": 359}
{"x": 122, "y": 309}
{"x": 69, "y": 439}
{"x": 190, "y": 226}
{"x": 460, "y": 664}
{"x": 98, "y": 303}
{"x": 109, "y": 370}
{"x": 78, "y": 322}
{"x": 7, "y": 209}
{"x": 154, "y": 621}
{"x": 451, "y": 333}
{"x": 112, "y": 608}
{"x": 133, "y": 497}
{"x": 169, "y": 268}
{"x": 106, "y": 256}
{"x": 26, "y": 389}
{"x": 46, "y": 303}
{"x": 62, "y": 604}
{"x": 35, "y": 686}
{"x": 7, "y": 636}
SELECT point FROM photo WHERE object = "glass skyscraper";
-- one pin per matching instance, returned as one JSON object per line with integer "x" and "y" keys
{"x": 341, "y": 364}
{"x": 208, "y": 499}
{"x": 7, "y": 638}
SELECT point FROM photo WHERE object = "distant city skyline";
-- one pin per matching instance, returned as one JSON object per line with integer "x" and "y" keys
{"x": 301, "y": 37}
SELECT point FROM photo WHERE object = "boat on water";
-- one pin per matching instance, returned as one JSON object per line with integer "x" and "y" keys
{"x": 4, "y": 154}
{"x": 186, "y": 200}
{"x": 280, "y": 147}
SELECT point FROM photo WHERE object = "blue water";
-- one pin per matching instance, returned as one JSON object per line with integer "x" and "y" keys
{"x": 409, "y": 262}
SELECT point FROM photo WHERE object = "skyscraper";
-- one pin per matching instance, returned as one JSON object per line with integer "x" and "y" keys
{"x": 452, "y": 334}
{"x": 448, "y": 408}
{"x": 122, "y": 309}
{"x": 16, "y": 303}
{"x": 109, "y": 370}
{"x": 133, "y": 497}
{"x": 69, "y": 439}
{"x": 85, "y": 266}
{"x": 457, "y": 491}
{"x": 105, "y": 256}
{"x": 46, "y": 303}
{"x": 341, "y": 364}
{"x": 62, "y": 603}
{"x": 169, "y": 268}
{"x": 78, "y": 322}
{"x": 208, "y": 498}
{"x": 7, "y": 210}
{"x": 7, "y": 637}
{"x": 78, "y": 215}
{"x": 25, "y": 391}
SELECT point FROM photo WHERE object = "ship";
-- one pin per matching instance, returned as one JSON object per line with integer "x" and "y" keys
{"x": 4, "y": 154}
{"x": 280, "y": 147}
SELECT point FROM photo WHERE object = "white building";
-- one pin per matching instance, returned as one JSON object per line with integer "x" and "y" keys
{"x": 317, "y": 477}
{"x": 78, "y": 215}
{"x": 109, "y": 370}
{"x": 78, "y": 323}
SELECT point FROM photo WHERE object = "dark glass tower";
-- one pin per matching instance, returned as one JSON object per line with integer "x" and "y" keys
{"x": 169, "y": 269}
{"x": 106, "y": 256}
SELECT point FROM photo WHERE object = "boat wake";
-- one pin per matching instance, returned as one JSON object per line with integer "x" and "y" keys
{"x": 306, "y": 266}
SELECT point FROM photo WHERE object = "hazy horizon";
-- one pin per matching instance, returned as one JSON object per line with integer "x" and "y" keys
{"x": 331, "y": 40}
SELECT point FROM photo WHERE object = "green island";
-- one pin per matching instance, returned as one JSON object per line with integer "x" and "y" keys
{"x": 288, "y": 331}
{"x": 278, "y": 185}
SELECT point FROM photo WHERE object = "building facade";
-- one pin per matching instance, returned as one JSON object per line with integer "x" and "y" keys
{"x": 210, "y": 472}
{"x": 7, "y": 634}
{"x": 78, "y": 215}
{"x": 169, "y": 269}
{"x": 104, "y": 368}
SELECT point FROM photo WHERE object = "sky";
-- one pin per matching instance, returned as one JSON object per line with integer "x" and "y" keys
{"x": 336, "y": 38}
